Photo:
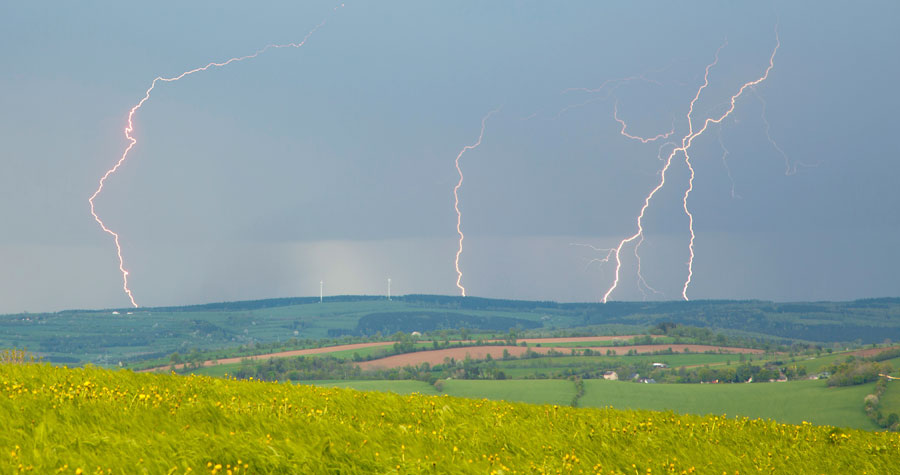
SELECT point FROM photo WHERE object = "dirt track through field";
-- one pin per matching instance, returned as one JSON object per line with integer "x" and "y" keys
{"x": 281, "y": 354}
{"x": 434, "y": 357}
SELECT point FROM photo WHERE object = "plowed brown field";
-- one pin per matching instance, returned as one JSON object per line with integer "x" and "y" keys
{"x": 434, "y": 357}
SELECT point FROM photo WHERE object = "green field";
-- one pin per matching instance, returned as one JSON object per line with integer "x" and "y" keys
{"x": 218, "y": 371}
{"x": 545, "y": 391}
{"x": 815, "y": 364}
{"x": 90, "y": 420}
{"x": 890, "y": 400}
{"x": 792, "y": 402}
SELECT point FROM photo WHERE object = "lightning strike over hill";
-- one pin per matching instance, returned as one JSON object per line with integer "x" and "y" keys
{"x": 686, "y": 143}
{"x": 456, "y": 188}
{"x": 132, "y": 141}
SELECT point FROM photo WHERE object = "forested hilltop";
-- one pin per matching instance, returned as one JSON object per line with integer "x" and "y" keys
{"x": 868, "y": 320}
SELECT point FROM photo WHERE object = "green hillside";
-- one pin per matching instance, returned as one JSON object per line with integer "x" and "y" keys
{"x": 91, "y": 421}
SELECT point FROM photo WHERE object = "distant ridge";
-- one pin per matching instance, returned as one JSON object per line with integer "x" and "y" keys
{"x": 471, "y": 302}
{"x": 236, "y": 305}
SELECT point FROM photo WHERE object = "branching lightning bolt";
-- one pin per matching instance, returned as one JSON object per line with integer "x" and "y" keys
{"x": 684, "y": 148}
{"x": 132, "y": 141}
{"x": 601, "y": 260}
{"x": 456, "y": 188}
{"x": 662, "y": 182}
{"x": 635, "y": 137}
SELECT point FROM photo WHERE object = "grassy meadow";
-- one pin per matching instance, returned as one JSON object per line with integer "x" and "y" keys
{"x": 101, "y": 421}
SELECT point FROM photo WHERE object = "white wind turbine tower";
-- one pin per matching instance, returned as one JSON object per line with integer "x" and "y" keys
{"x": 389, "y": 288}
{"x": 321, "y": 289}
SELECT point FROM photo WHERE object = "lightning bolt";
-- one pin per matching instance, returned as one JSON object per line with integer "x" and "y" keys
{"x": 132, "y": 141}
{"x": 725, "y": 153}
{"x": 610, "y": 86}
{"x": 601, "y": 260}
{"x": 456, "y": 188}
{"x": 686, "y": 143}
{"x": 789, "y": 168}
{"x": 635, "y": 137}
{"x": 641, "y": 282}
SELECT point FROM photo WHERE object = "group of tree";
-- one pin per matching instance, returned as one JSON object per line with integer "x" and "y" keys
{"x": 855, "y": 371}
{"x": 298, "y": 368}
{"x": 741, "y": 373}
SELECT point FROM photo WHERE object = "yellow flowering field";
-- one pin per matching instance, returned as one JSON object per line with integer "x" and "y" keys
{"x": 57, "y": 420}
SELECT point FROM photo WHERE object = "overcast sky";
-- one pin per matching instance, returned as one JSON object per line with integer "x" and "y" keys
{"x": 335, "y": 161}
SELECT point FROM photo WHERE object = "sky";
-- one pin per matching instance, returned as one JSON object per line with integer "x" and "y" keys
{"x": 334, "y": 162}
